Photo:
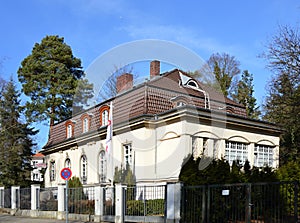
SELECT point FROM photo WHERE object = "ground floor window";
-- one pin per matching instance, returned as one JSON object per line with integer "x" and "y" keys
{"x": 52, "y": 171}
{"x": 127, "y": 151}
{"x": 263, "y": 155}
{"x": 102, "y": 166}
{"x": 236, "y": 151}
{"x": 83, "y": 162}
{"x": 68, "y": 163}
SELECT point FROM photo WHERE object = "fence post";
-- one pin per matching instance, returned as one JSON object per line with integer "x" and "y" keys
{"x": 120, "y": 203}
{"x": 248, "y": 203}
{"x": 173, "y": 202}
{"x": 1, "y": 197}
{"x": 15, "y": 197}
{"x": 61, "y": 201}
{"x": 99, "y": 191}
{"x": 35, "y": 201}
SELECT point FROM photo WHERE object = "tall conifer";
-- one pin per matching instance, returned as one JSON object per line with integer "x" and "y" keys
{"x": 16, "y": 141}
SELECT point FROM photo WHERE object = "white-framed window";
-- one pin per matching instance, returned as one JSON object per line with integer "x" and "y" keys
{"x": 85, "y": 124}
{"x": 68, "y": 163}
{"x": 83, "y": 162}
{"x": 52, "y": 171}
{"x": 34, "y": 162}
{"x": 69, "y": 131}
{"x": 127, "y": 151}
{"x": 236, "y": 151}
{"x": 104, "y": 117}
{"x": 263, "y": 155}
{"x": 192, "y": 83}
{"x": 35, "y": 176}
{"x": 180, "y": 103}
{"x": 102, "y": 166}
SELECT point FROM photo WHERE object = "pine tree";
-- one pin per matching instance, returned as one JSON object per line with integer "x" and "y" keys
{"x": 244, "y": 95}
{"x": 50, "y": 76}
{"x": 16, "y": 140}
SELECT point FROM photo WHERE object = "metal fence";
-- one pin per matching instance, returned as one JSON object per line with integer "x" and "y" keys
{"x": 7, "y": 198}
{"x": 145, "y": 200}
{"x": 81, "y": 200}
{"x": 48, "y": 199}
{"x": 109, "y": 201}
{"x": 25, "y": 198}
{"x": 255, "y": 203}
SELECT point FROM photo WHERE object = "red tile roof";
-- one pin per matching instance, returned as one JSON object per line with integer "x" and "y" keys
{"x": 151, "y": 97}
{"x": 38, "y": 155}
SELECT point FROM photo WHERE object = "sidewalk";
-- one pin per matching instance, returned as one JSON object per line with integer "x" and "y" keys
{"x": 20, "y": 219}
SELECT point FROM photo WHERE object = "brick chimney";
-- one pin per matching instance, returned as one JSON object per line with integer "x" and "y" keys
{"x": 124, "y": 82}
{"x": 154, "y": 68}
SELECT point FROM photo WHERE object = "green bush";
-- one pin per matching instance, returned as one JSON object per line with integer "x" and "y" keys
{"x": 153, "y": 207}
{"x": 82, "y": 207}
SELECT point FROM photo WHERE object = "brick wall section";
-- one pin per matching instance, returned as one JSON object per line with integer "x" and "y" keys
{"x": 154, "y": 68}
{"x": 124, "y": 82}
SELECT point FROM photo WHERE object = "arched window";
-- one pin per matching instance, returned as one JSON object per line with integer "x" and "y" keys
{"x": 192, "y": 83}
{"x": 69, "y": 128}
{"x": 83, "y": 174}
{"x": 102, "y": 167}
{"x": 104, "y": 113}
{"x": 179, "y": 101}
{"x": 86, "y": 122}
{"x": 52, "y": 170}
{"x": 104, "y": 117}
{"x": 68, "y": 163}
{"x": 69, "y": 131}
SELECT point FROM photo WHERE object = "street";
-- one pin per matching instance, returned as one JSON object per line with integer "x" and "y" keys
{"x": 22, "y": 219}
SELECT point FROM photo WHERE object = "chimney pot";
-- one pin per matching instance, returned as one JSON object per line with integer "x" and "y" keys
{"x": 124, "y": 82}
{"x": 154, "y": 68}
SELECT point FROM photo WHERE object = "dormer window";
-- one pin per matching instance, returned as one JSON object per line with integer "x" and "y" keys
{"x": 70, "y": 129}
{"x": 86, "y": 120}
{"x": 179, "y": 101}
{"x": 104, "y": 111}
{"x": 187, "y": 81}
{"x": 192, "y": 83}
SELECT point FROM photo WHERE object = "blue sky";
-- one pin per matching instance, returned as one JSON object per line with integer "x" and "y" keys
{"x": 92, "y": 27}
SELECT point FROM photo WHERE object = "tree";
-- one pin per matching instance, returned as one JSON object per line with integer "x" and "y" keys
{"x": 75, "y": 182}
{"x": 225, "y": 68}
{"x": 243, "y": 94}
{"x": 2, "y": 81}
{"x": 124, "y": 176}
{"x": 16, "y": 141}
{"x": 50, "y": 76}
{"x": 219, "y": 171}
{"x": 282, "y": 105}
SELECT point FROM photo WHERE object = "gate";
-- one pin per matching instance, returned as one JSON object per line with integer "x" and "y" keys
{"x": 25, "y": 198}
{"x": 255, "y": 203}
{"x": 7, "y": 198}
{"x": 145, "y": 203}
{"x": 48, "y": 199}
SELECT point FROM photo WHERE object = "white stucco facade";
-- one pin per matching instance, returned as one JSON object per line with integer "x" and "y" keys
{"x": 159, "y": 146}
